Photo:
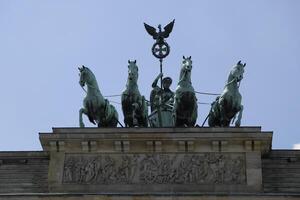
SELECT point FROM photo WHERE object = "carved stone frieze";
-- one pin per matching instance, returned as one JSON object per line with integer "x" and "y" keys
{"x": 200, "y": 168}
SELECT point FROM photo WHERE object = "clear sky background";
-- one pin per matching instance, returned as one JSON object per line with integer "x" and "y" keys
{"x": 43, "y": 42}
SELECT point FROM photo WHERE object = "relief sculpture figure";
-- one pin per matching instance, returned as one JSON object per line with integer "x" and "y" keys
{"x": 155, "y": 169}
{"x": 134, "y": 105}
{"x": 227, "y": 106}
{"x": 185, "y": 104}
{"x": 95, "y": 106}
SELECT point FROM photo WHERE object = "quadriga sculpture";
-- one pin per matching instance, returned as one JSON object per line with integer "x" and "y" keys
{"x": 228, "y": 105}
{"x": 95, "y": 106}
{"x": 134, "y": 106}
{"x": 185, "y": 101}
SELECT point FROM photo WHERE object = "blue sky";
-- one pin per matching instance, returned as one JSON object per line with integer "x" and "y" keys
{"x": 43, "y": 42}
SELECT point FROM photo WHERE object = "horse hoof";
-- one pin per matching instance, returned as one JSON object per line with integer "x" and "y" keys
{"x": 237, "y": 124}
{"x": 81, "y": 125}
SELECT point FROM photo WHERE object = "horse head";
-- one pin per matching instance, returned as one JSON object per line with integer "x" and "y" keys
{"x": 187, "y": 63}
{"x": 132, "y": 71}
{"x": 237, "y": 72}
{"x": 186, "y": 69}
{"x": 86, "y": 76}
{"x": 83, "y": 75}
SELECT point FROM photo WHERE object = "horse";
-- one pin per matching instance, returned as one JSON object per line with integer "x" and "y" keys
{"x": 226, "y": 106}
{"x": 95, "y": 106}
{"x": 134, "y": 105}
{"x": 185, "y": 110}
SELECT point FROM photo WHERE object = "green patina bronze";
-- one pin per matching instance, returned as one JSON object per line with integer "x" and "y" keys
{"x": 167, "y": 96}
{"x": 95, "y": 106}
{"x": 134, "y": 105}
{"x": 168, "y": 109}
{"x": 160, "y": 48}
{"x": 226, "y": 107}
{"x": 185, "y": 101}
{"x": 161, "y": 101}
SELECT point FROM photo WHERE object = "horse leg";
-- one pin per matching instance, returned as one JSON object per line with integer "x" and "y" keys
{"x": 125, "y": 121}
{"x": 223, "y": 118}
{"x": 112, "y": 118}
{"x": 194, "y": 115}
{"x": 211, "y": 120}
{"x": 82, "y": 111}
{"x": 115, "y": 119}
{"x": 238, "y": 121}
{"x": 222, "y": 115}
{"x": 136, "y": 118}
{"x": 174, "y": 112}
{"x": 145, "y": 112}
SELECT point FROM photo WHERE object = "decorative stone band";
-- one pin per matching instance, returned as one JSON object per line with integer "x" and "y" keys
{"x": 203, "y": 168}
{"x": 146, "y": 140}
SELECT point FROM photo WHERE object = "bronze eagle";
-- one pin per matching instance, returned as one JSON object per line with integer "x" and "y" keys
{"x": 160, "y": 35}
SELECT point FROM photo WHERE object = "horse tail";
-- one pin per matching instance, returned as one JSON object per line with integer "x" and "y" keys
{"x": 209, "y": 115}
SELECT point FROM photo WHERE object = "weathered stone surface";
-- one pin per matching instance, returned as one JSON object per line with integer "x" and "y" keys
{"x": 281, "y": 171}
{"x": 22, "y": 172}
{"x": 171, "y": 196}
{"x": 204, "y": 168}
{"x": 156, "y": 160}
{"x": 158, "y": 164}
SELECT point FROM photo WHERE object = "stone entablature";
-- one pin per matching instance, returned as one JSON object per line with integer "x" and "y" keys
{"x": 162, "y": 160}
{"x": 135, "y": 163}
{"x": 246, "y": 139}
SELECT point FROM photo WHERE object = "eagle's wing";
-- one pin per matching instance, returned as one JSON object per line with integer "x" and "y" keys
{"x": 168, "y": 28}
{"x": 151, "y": 30}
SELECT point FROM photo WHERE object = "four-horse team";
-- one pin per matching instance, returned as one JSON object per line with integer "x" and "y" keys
{"x": 168, "y": 109}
